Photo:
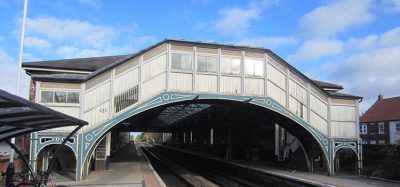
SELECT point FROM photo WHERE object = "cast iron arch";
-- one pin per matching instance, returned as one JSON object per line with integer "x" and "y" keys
{"x": 88, "y": 139}
{"x": 55, "y": 144}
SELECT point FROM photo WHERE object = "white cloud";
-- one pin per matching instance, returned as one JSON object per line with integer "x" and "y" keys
{"x": 371, "y": 67}
{"x": 391, "y": 38}
{"x": 268, "y": 42}
{"x": 368, "y": 73}
{"x": 82, "y": 32}
{"x": 316, "y": 49}
{"x": 362, "y": 44}
{"x": 336, "y": 17}
{"x": 36, "y": 43}
{"x": 77, "y": 52}
{"x": 235, "y": 20}
{"x": 387, "y": 39}
{"x": 76, "y": 39}
{"x": 8, "y": 75}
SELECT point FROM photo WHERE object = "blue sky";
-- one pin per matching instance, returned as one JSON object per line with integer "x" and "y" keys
{"x": 353, "y": 43}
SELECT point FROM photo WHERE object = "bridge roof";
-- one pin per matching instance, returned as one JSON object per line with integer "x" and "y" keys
{"x": 328, "y": 85}
{"x": 19, "y": 116}
{"x": 103, "y": 64}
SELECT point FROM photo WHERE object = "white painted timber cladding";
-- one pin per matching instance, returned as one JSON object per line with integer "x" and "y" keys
{"x": 97, "y": 96}
{"x": 276, "y": 93}
{"x": 69, "y": 110}
{"x": 343, "y": 130}
{"x": 97, "y": 104}
{"x": 296, "y": 107}
{"x": 254, "y": 86}
{"x": 181, "y": 81}
{"x": 127, "y": 80}
{"x": 97, "y": 115}
{"x": 343, "y": 121}
{"x": 276, "y": 76}
{"x": 231, "y": 84}
{"x": 319, "y": 107}
{"x": 153, "y": 86}
{"x": 153, "y": 76}
{"x": 298, "y": 92}
{"x": 154, "y": 67}
{"x": 319, "y": 123}
{"x": 206, "y": 83}
{"x": 343, "y": 113}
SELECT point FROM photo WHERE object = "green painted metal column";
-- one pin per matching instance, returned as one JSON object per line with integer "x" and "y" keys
{"x": 32, "y": 150}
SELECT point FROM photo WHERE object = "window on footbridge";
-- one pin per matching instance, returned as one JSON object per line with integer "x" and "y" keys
{"x": 230, "y": 65}
{"x": 207, "y": 64}
{"x": 59, "y": 97}
{"x": 254, "y": 67}
{"x": 182, "y": 61}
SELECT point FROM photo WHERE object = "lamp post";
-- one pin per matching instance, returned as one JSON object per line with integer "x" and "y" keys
{"x": 11, "y": 167}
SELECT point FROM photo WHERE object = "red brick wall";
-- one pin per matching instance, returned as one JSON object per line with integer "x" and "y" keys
{"x": 18, "y": 163}
{"x": 373, "y": 133}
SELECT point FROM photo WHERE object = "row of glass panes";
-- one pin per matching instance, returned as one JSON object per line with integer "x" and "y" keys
{"x": 208, "y": 64}
{"x": 59, "y": 97}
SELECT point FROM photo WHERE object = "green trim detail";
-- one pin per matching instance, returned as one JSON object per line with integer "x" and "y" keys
{"x": 90, "y": 137}
{"x": 85, "y": 143}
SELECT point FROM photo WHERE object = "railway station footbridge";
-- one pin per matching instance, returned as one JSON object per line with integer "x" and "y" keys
{"x": 176, "y": 86}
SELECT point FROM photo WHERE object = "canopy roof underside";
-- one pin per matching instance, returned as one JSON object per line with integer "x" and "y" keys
{"x": 19, "y": 116}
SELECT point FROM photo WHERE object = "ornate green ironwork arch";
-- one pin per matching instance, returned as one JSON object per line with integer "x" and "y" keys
{"x": 88, "y": 139}
{"x": 55, "y": 140}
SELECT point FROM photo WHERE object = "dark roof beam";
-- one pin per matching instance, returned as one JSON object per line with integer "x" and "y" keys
{"x": 28, "y": 118}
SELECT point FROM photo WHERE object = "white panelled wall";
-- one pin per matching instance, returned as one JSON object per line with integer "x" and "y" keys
{"x": 178, "y": 68}
{"x": 343, "y": 117}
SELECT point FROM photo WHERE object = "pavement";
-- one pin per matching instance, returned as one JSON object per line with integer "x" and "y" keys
{"x": 128, "y": 167}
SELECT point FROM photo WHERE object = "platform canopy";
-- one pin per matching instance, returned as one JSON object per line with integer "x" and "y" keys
{"x": 19, "y": 116}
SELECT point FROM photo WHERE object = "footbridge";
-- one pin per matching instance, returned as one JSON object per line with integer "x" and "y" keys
{"x": 195, "y": 93}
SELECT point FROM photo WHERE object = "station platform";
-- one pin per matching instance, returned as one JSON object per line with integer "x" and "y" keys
{"x": 343, "y": 180}
{"x": 128, "y": 167}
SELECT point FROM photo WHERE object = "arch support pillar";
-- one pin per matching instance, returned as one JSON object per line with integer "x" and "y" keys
{"x": 352, "y": 144}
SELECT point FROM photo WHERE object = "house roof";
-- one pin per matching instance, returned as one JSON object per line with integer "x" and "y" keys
{"x": 19, "y": 116}
{"x": 383, "y": 110}
{"x": 78, "y": 64}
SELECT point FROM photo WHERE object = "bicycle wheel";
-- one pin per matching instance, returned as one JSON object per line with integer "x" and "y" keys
{"x": 49, "y": 180}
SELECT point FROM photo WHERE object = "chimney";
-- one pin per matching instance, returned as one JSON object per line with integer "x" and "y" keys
{"x": 380, "y": 96}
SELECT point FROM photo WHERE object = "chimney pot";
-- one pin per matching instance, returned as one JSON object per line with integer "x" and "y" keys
{"x": 380, "y": 96}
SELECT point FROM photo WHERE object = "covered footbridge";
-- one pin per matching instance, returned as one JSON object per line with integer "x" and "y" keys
{"x": 195, "y": 93}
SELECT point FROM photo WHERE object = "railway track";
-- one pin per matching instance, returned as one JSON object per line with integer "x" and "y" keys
{"x": 167, "y": 174}
{"x": 201, "y": 171}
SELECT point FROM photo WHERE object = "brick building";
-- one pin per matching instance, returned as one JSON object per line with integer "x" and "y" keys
{"x": 380, "y": 124}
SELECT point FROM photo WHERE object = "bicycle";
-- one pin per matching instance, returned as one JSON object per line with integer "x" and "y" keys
{"x": 23, "y": 180}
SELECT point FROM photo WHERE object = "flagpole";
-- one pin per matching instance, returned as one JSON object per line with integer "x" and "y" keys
{"x": 21, "y": 47}
{"x": 11, "y": 167}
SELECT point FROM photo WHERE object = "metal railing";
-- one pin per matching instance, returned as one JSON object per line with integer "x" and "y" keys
{"x": 126, "y": 99}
